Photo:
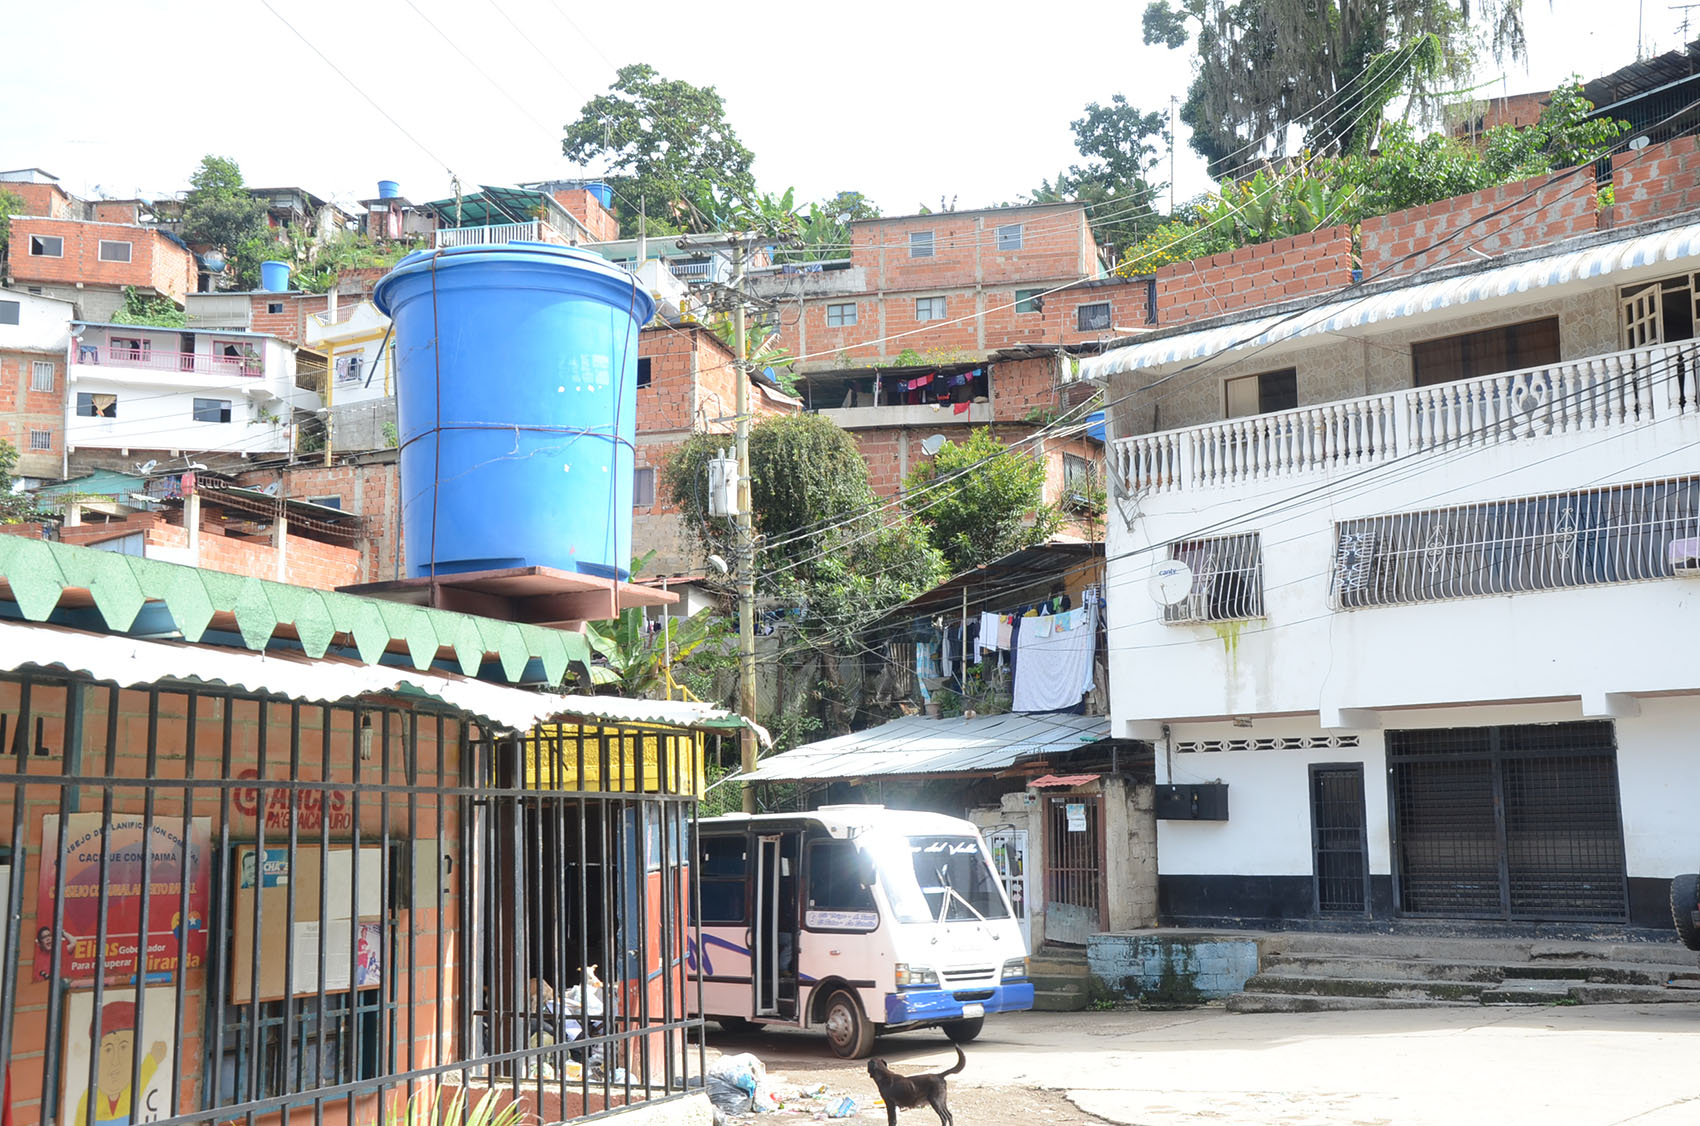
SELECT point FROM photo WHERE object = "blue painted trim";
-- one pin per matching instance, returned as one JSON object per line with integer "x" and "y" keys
{"x": 913, "y": 1005}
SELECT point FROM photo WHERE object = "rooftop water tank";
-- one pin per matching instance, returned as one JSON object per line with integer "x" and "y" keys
{"x": 274, "y": 277}
{"x": 603, "y": 193}
{"x": 389, "y": 189}
{"x": 517, "y": 401}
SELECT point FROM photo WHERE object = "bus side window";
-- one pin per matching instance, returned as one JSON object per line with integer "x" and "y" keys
{"x": 835, "y": 878}
{"x": 722, "y": 875}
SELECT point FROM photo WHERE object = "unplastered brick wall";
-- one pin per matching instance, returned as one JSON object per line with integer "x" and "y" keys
{"x": 1053, "y": 241}
{"x": 156, "y": 263}
{"x": 371, "y": 488}
{"x": 42, "y": 199}
{"x": 290, "y": 321}
{"x": 587, "y": 209}
{"x": 24, "y": 410}
{"x": 1533, "y": 212}
{"x": 1656, "y": 181}
{"x": 1301, "y": 266}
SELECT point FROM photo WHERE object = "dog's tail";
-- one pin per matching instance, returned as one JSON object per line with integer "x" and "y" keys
{"x": 961, "y": 1062}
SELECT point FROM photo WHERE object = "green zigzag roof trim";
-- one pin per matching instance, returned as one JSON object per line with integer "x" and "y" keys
{"x": 121, "y": 584}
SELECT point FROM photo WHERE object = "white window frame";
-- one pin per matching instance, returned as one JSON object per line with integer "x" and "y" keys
{"x": 836, "y": 309}
{"x": 918, "y": 240}
{"x": 41, "y": 441}
{"x": 44, "y": 240}
{"x": 38, "y": 380}
{"x": 942, "y": 309}
{"x": 1009, "y": 237}
{"x": 129, "y": 251}
{"x": 641, "y": 491}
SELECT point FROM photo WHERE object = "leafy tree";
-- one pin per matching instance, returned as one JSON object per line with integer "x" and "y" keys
{"x": 635, "y": 662}
{"x": 663, "y": 141}
{"x": 219, "y": 212}
{"x": 1117, "y": 142}
{"x": 11, "y": 203}
{"x": 1322, "y": 65}
{"x": 15, "y": 507}
{"x": 161, "y": 312}
{"x": 988, "y": 501}
{"x": 826, "y": 541}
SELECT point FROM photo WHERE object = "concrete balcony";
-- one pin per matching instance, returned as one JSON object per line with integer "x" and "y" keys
{"x": 920, "y": 414}
{"x": 1615, "y": 392}
{"x": 498, "y": 235}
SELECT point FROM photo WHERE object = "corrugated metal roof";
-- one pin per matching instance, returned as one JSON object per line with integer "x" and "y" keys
{"x": 134, "y": 662}
{"x": 1548, "y": 272}
{"x": 923, "y": 745}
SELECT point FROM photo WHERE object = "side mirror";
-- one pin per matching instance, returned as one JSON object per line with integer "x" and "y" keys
{"x": 865, "y": 869}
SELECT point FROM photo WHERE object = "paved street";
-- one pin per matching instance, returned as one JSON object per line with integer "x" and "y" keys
{"x": 1557, "y": 1066}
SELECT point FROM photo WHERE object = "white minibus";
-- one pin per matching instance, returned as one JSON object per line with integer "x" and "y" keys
{"x": 854, "y": 919}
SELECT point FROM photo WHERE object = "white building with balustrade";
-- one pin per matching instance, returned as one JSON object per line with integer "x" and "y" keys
{"x": 1436, "y": 649}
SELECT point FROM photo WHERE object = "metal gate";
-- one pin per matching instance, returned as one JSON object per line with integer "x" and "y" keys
{"x": 1508, "y": 822}
{"x": 1339, "y": 841}
{"x": 1075, "y": 904}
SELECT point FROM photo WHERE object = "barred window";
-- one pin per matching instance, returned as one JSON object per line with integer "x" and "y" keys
{"x": 1227, "y": 579}
{"x": 1589, "y": 537}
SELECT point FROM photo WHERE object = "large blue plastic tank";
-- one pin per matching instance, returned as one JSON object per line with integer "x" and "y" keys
{"x": 274, "y": 276}
{"x": 516, "y": 383}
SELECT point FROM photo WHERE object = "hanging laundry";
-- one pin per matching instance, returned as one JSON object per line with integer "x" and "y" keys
{"x": 988, "y": 631}
{"x": 1051, "y": 669}
{"x": 1042, "y": 626}
{"x": 1006, "y": 631}
{"x": 960, "y": 408}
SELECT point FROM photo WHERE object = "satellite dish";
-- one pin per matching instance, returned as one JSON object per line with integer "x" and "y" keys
{"x": 147, "y": 467}
{"x": 270, "y": 490}
{"x": 1171, "y": 581}
{"x": 932, "y": 444}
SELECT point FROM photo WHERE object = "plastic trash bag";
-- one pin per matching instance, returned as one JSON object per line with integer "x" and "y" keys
{"x": 744, "y": 1074}
{"x": 841, "y": 1107}
{"x": 726, "y": 1096}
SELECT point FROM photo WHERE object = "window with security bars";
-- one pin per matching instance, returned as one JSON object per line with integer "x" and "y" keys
{"x": 41, "y": 440}
{"x": 1589, "y": 537}
{"x": 1227, "y": 579}
{"x": 41, "y": 375}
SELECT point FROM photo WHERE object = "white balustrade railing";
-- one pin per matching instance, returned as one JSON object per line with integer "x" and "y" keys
{"x": 494, "y": 235}
{"x": 1609, "y": 391}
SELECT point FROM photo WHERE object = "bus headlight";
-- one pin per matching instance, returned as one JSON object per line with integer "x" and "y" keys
{"x": 909, "y": 976}
{"x": 1014, "y": 969}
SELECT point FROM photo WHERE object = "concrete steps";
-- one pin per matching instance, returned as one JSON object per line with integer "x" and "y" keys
{"x": 1326, "y": 972}
{"x": 1061, "y": 980}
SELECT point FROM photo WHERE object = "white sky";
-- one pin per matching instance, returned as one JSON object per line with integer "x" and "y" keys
{"x": 904, "y": 102}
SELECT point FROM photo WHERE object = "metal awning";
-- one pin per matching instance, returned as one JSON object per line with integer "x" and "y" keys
{"x": 1000, "y": 579}
{"x": 1543, "y": 273}
{"x": 924, "y": 745}
{"x": 134, "y": 662}
{"x": 491, "y": 207}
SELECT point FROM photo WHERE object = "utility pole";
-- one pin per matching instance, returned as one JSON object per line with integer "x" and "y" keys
{"x": 746, "y": 539}
{"x": 1173, "y": 103}
{"x": 745, "y": 556}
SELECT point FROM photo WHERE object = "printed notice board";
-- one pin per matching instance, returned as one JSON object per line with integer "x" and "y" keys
{"x": 351, "y": 929}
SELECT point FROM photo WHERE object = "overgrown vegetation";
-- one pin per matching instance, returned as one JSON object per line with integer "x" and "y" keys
{"x": 11, "y": 203}
{"x": 15, "y": 507}
{"x": 157, "y": 311}
{"x": 980, "y": 500}
{"x": 1406, "y": 170}
{"x": 218, "y": 212}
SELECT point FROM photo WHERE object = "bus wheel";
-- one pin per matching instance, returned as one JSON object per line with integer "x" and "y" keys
{"x": 962, "y": 1031}
{"x": 847, "y": 1030}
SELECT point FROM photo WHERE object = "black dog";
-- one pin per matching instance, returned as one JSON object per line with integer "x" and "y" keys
{"x": 912, "y": 1090}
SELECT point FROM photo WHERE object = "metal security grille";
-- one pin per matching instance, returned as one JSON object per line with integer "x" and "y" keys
{"x": 1227, "y": 579}
{"x": 1339, "y": 840}
{"x": 1508, "y": 822}
{"x": 334, "y": 908}
{"x": 1621, "y": 534}
{"x": 1074, "y": 858}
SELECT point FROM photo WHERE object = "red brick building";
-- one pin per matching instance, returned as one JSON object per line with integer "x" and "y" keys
{"x": 34, "y": 337}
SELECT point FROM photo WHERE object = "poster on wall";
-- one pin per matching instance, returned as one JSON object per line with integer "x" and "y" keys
{"x": 114, "y": 1037}
{"x": 1077, "y": 817}
{"x": 172, "y": 940}
{"x": 351, "y": 934}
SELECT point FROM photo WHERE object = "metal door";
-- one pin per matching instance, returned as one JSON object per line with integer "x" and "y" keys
{"x": 1009, "y": 856}
{"x": 1508, "y": 822}
{"x": 1339, "y": 840}
{"x": 764, "y": 941}
{"x": 1076, "y": 906}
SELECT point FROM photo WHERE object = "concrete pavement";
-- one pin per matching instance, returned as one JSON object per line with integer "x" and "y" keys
{"x": 1594, "y": 1065}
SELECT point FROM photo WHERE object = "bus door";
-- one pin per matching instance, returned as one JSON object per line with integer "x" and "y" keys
{"x": 774, "y": 945}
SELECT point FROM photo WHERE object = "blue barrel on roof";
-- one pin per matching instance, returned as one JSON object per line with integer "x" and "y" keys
{"x": 516, "y": 385}
{"x": 389, "y": 189}
{"x": 274, "y": 277}
{"x": 603, "y": 193}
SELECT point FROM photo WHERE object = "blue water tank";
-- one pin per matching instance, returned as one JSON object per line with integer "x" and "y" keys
{"x": 1095, "y": 425}
{"x": 274, "y": 277}
{"x": 603, "y": 193}
{"x": 516, "y": 385}
{"x": 389, "y": 189}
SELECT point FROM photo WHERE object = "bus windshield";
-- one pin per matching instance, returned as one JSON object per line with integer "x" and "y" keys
{"x": 945, "y": 878}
